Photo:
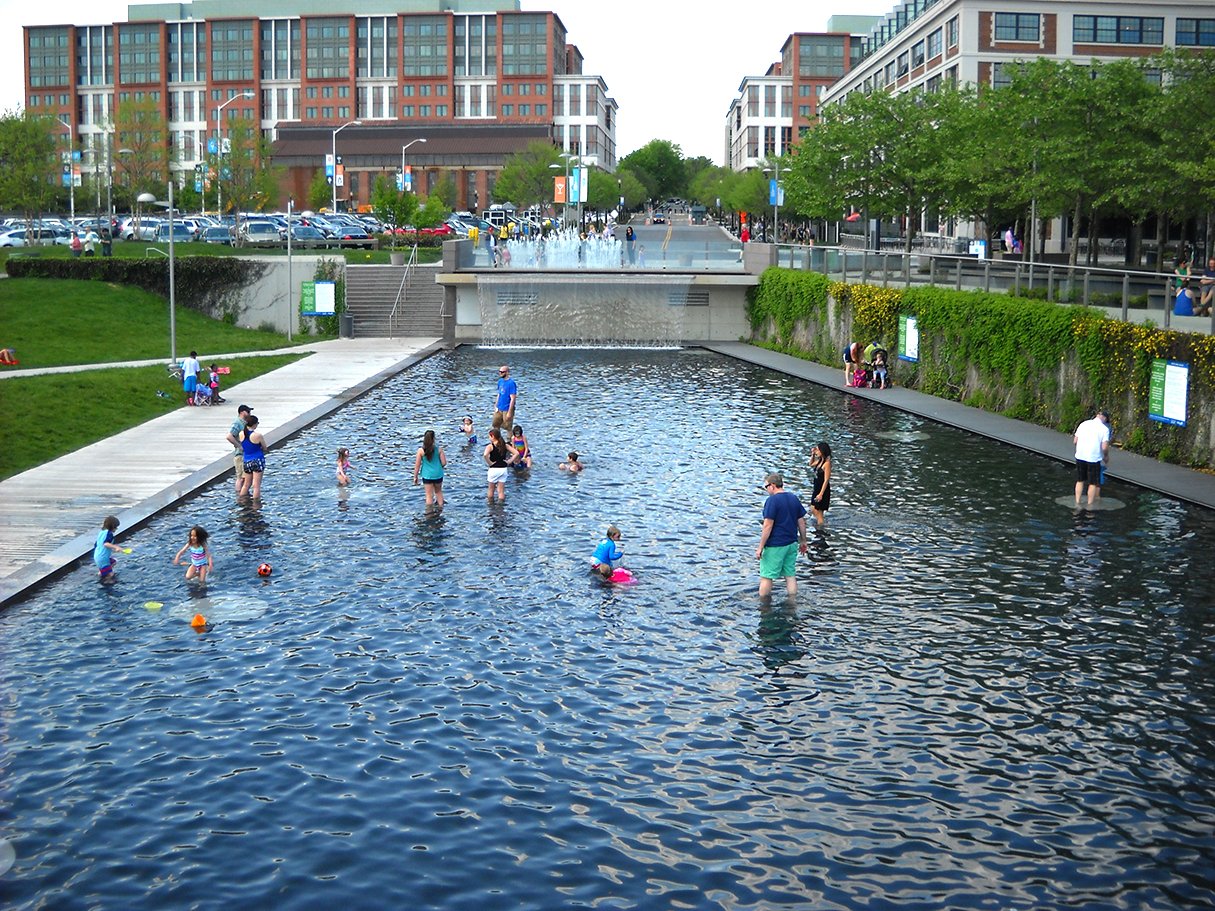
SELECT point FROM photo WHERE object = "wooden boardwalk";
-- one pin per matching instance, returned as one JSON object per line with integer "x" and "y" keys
{"x": 50, "y": 515}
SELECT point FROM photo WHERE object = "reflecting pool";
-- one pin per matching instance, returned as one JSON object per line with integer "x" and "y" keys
{"x": 979, "y": 699}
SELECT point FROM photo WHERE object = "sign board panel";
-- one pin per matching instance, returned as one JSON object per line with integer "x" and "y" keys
{"x": 1168, "y": 391}
{"x": 909, "y": 338}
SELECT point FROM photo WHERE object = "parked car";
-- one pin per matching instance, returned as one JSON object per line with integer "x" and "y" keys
{"x": 181, "y": 233}
{"x": 216, "y": 234}
{"x": 354, "y": 237}
{"x": 23, "y": 237}
{"x": 260, "y": 233}
{"x": 144, "y": 230}
{"x": 308, "y": 236}
{"x": 659, "y": 218}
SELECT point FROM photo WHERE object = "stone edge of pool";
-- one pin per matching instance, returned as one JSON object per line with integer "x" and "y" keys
{"x": 1176, "y": 481}
{"x": 60, "y": 560}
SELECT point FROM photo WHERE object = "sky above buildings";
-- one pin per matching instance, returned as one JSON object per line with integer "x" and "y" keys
{"x": 674, "y": 66}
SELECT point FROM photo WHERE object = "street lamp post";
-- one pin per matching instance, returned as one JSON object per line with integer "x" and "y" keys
{"x": 96, "y": 177}
{"x": 148, "y": 197}
{"x": 775, "y": 191}
{"x": 403, "y": 148}
{"x": 219, "y": 151}
{"x": 352, "y": 123}
{"x": 71, "y": 165}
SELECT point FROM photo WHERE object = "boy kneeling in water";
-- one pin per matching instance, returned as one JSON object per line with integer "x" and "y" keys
{"x": 607, "y": 553}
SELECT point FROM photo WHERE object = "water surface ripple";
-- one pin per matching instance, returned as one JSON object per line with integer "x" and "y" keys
{"x": 979, "y": 699}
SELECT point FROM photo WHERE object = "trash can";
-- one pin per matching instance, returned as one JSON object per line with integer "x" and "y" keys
{"x": 345, "y": 325}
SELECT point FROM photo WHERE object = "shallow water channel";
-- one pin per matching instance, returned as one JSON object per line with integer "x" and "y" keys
{"x": 979, "y": 699}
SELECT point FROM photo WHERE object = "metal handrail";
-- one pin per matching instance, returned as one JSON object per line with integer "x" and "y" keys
{"x": 147, "y": 250}
{"x": 875, "y": 265}
{"x": 392, "y": 317}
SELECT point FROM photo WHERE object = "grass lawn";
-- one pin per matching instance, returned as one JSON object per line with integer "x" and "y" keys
{"x": 44, "y": 417}
{"x": 57, "y": 322}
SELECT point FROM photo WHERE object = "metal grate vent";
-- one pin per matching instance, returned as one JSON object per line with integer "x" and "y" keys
{"x": 688, "y": 297}
{"x": 507, "y": 296}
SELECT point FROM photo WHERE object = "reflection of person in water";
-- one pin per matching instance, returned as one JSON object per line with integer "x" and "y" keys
{"x": 778, "y": 640}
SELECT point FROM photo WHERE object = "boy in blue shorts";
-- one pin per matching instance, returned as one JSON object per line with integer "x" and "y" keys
{"x": 783, "y": 537}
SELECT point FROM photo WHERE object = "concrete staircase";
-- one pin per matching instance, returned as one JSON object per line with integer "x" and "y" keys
{"x": 371, "y": 292}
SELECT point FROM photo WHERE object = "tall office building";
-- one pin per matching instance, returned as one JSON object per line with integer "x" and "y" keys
{"x": 477, "y": 79}
{"x": 773, "y": 111}
{"x": 922, "y": 45}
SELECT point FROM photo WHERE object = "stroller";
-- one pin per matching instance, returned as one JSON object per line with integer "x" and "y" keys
{"x": 202, "y": 395}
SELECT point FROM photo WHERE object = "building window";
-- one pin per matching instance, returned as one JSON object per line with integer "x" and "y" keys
{"x": 1000, "y": 79}
{"x": 934, "y": 44}
{"x": 524, "y": 110}
{"x": 440, "y": 110}
{"x": 232, "y": 51}
{"x": 508, "y": 110}
{"x": 904, "y": 63}
{"x": 1017, "y": 26}
{"x": 951, "y": 32}
{"x": 1117, "y": 30}
{"x": 424, "y": 46}
{"x": 328, "y": 54}
{"x": 525, "y": 44}
{"x": 917, "y": 54}
{"x": 1196, "y": 32}
{"x": 407, "y": 110}
{"x": 542, "y": 110}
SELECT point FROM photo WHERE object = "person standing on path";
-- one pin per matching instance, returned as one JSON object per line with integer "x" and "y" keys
{"x": 190, "y": 369}
{"x": 504, "y": 405}
{"x": 1092, "y": 439}
{"x": 783, "y": 537}
{"x": 430, "y": 464}
{"x": 233, "y": 437}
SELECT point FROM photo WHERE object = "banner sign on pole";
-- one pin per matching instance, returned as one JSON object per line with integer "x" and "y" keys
{"x": 909, "y": 339}
{"x": 559, "y": 190}
{"x": 1168, "y": 391}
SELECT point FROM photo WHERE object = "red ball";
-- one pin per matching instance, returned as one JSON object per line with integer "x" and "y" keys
{"x": 265, "y": 569}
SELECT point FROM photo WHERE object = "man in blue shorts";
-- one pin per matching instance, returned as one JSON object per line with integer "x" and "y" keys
{"x": 504, "y": 404}
{"x": 783, "y": 537}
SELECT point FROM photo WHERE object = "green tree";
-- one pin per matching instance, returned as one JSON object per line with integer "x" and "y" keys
{"x": 29, "y": 164}
{"x": 319, "y": 192}
{"x": 526, "y": 178}
{"x": 632, "y": 188}
{"x": 248, "y": 180}
{"x": 660, "y": 166}
{"x": 391, "y": 206}
{"x": 445, "y": 191}
{"x": 436, "y": 208}
{"x": 143, "y": 164}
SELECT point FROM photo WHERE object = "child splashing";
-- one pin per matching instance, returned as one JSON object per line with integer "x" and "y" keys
{"x": 200, "y": 555}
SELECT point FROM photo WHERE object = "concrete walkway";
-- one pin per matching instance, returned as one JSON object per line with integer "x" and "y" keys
{"x": 1172, "y": 480}
{"x": 50, "y": 515}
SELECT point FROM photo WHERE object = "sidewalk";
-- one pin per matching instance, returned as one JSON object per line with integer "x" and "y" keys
{"x": 49, "y": 515}
{"x": 1171, "y": 480}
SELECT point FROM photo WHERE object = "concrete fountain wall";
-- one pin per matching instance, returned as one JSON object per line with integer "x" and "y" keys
{"x": 590, "y": 306}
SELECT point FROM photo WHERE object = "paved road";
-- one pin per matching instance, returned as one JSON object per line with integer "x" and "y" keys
{"x": 49, "y": 515}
